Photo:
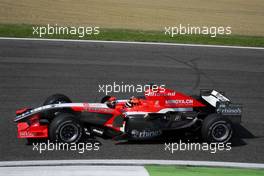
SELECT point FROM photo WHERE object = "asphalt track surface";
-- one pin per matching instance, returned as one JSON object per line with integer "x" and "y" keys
{"x": 32, "y": 70}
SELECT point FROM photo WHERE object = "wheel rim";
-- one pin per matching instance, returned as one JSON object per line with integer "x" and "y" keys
{"x": 69, "y": 132}
{"x": 221, "y": 132}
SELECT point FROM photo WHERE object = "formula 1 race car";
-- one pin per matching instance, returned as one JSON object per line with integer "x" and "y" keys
{"x": 210, "y": 114}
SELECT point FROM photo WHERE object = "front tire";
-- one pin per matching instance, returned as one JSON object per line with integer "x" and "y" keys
{"x": 65, "y": 128}
{"x": 216, "y": 128}
{"x": 55, "y": 99}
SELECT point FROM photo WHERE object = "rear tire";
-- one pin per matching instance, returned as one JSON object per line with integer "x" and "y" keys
{"x": 215, "y": 128}
{"x": 65, "y": 128}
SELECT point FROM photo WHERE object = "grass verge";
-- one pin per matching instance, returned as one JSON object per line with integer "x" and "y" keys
{"x": 25, "y": 31}
{"x": 201, "y": 171}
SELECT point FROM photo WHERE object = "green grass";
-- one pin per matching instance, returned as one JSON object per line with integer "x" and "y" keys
{"x": 201, "y": 171}
{"x": 24, "y": 30}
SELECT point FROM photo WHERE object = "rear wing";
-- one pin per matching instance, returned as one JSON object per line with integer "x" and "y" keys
{"x": 213, "y": 96}
{"x": 223, "y": 105}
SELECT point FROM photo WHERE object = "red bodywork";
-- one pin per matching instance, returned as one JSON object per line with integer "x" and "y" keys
{"x": 155, "y": 101}
{"x": 32, "y": 128}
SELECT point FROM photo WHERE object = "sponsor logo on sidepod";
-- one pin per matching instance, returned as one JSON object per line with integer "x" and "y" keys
{"x": 145, "y": 133}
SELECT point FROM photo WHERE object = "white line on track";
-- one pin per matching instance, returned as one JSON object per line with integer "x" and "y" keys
{"x": 74, "y": 170}
{"x": 128, "y": 163}
{"x": 137, "y": 43}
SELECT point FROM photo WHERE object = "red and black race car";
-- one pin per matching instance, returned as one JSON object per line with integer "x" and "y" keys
{"x": 211, "y": 114}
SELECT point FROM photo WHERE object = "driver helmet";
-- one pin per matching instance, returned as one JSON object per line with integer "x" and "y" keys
{"x": 132, "y": 101}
